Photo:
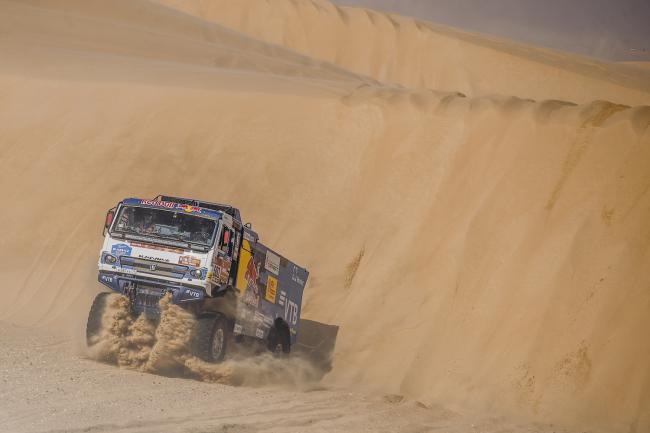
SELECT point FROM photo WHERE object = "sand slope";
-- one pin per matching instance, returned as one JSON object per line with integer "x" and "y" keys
{"x": 401, "y": 50}
{"x": 487, "y": 254}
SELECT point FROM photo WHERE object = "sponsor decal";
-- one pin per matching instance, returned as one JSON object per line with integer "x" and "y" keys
{"x": 238, "y": 329}
{"x": 121, "y": 250}
{"x": 227, "y": 219}
{"x": 126, "y": 270}
{"x": 216, "y": 274}
{"x": 283, "y": 297}
{"x": 259, "y": 333}
{"x": 295, "y": 276}
{"x": 221, "y": 269}
{"x": 272, "y": 262}
{"x": 157, "y": 247}
{"x": 188, "y": 208}
{"x": 262, "y": 318}
{"x": 189, "y": 260}
{"x": 166, "y": 204}
{"x": 271, "y": 289}
{"x": 155, "y": 259}
{"x": 249, "y": 237}
{"x": 106, "y": 278}
{"x": 251, "y": 293}
{"x": 244, "y": 257}
{"x": 192, "y": 293}
{"x": 225, "y": 269}
{"x": 291, "y": 312}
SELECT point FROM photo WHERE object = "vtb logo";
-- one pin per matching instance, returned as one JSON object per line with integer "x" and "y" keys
{"x": 291, "y": 312}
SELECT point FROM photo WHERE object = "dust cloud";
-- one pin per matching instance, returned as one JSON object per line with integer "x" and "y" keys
{"x": 141, "y": 344}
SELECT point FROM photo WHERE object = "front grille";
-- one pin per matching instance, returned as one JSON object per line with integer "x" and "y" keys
{"x": 148, "y": 298}
{"x": 154, "y": 268}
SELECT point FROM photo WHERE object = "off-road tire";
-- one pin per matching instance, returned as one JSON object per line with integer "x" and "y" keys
{"x": 278, "y": 340}
{"x": 94, "y": 323}
{"x": 207, "y": 329}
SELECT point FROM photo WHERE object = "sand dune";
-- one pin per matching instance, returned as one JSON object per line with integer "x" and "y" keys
{"x": 415, "y": 54}
{"x": 483, "y": 253}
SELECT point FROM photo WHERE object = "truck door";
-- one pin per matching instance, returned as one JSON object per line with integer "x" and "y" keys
{"x": 247, "y": 289}
{"x": 223, "y": 254}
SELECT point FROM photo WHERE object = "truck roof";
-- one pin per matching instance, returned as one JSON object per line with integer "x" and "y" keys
{"x": 215, "y": 210}
{"x": 220, "y": 207}
{"x": 161, "y": 204}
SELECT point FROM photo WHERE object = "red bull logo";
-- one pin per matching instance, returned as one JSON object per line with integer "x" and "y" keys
{"x": 189, "y": 208}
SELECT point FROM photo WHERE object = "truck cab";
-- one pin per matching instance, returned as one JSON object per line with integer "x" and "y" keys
{"x": 209, "y": 262}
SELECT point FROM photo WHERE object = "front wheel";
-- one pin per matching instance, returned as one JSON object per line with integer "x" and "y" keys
{"x": 94, "y": 323}
{"x": 213, "y": 334}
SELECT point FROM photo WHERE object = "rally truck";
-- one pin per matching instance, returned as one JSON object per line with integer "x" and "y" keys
{"x": 210, "y": 263}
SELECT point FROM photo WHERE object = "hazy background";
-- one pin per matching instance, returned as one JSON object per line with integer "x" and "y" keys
{"x": 608, "y": 29}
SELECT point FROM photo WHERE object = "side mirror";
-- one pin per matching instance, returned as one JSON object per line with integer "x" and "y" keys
{"x": 248, "y": 225}
{"x": 109, "y": 220}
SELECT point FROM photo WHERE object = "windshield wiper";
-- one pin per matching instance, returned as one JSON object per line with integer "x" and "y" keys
{"x": 123, "y": 231}
{"x": 173, "y": 236}
{"x": 177, "y": 236}
{"x": 128, "y": 229}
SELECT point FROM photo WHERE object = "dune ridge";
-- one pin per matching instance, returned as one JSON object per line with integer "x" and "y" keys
{"x": 482, "y": 252}
{"x": 416, "y": 54}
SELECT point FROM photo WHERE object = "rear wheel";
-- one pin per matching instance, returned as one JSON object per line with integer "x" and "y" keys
{"x": 94, "y": 323}
{"x": 213, "y": 334}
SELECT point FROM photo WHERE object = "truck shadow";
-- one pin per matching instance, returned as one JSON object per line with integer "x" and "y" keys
{"x": 316, "y": 343}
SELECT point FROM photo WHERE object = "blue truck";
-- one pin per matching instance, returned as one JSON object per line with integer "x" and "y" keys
{"x": 210, "y": 263}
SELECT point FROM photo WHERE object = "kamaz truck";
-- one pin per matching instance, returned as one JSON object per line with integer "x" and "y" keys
{"x": 210, "y": 263}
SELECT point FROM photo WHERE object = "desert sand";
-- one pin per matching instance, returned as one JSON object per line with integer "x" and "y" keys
{"x": 475, "y": 214}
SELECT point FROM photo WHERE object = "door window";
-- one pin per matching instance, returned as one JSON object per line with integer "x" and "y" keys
{"x": 227, "y": 240}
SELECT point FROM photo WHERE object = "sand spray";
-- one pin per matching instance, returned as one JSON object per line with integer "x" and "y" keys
{"x": 141, "y": 344}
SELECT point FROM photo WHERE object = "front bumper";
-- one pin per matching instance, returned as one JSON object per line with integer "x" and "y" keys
{"x": 144, "y": 293}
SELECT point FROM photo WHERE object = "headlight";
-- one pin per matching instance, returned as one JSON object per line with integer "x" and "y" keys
{"x": 196, "y": 273}
{"x": 109, "y": 259}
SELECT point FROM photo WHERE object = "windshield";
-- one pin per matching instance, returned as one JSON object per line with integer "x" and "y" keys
{"x": 164, "y": 224}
